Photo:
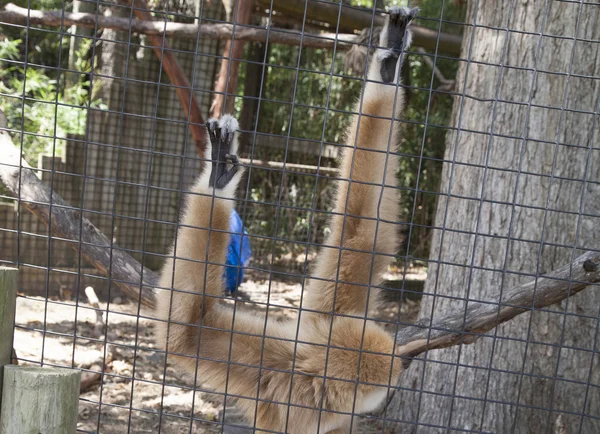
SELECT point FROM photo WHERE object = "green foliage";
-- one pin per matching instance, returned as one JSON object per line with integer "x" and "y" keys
{"x": 35, "y": 97}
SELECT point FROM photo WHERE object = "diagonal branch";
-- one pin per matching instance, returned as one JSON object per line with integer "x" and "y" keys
{"x": 67, "y": 223}
{"x": 459, "y": 328}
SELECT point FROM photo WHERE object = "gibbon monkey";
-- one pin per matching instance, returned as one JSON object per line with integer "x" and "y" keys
{"x": 312, "y": 373}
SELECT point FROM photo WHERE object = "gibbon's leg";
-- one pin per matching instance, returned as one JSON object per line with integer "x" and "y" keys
{"x": 371, "y": 137}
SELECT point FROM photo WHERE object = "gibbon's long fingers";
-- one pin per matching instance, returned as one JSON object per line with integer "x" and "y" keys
{"x": 362, "y": 223}
{"x": 222, "y": 138}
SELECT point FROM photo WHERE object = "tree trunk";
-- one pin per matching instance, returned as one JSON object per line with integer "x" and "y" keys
{"x": 533, "y": 205}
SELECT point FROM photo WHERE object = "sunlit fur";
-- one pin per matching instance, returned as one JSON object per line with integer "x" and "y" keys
{"x": 337, "y": 365}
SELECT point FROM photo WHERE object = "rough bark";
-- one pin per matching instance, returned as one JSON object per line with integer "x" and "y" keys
{"x": 529, "y": 205}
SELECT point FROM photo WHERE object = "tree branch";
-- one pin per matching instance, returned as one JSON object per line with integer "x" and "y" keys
{"x": 460, "y": 328}
{"x": 445, "y": 84}
{"x": 229, "y": 71}
{"x": 13, "y": 14}
{"x": 66, "y": 222}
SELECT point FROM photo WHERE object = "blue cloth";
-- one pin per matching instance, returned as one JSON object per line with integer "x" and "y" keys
{"x": 238, "y": 253}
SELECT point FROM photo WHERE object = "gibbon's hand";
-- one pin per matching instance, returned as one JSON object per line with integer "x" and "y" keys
{"x": 400, "y": 18}
{"x": 225, "y": 163}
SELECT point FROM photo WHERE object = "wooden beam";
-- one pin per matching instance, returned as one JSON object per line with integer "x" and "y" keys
{"x": 8, "y": 300}
{"x": 422, "y": 36}
{"x": 39, "y": 400}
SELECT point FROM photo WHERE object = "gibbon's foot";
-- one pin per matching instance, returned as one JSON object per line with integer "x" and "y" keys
{"x": 225, "y": 163}
{"x": 398, "y": 39}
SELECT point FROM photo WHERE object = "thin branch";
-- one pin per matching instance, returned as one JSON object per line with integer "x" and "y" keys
{"x": 445, "y": 84}
{"x": 290, "y": 168}
{"x": 95, "y": 303}
{"x": 67, "y": 224}
{"x": 458, "y": 328}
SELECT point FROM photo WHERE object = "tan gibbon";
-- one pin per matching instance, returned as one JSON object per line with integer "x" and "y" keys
{"x": 312, "y": 373}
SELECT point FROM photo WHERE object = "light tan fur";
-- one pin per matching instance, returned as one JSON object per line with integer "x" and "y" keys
{"x": 338, "y": 365}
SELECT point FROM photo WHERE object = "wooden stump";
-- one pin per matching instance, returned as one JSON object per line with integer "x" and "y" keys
{"x": 39, "y": 400}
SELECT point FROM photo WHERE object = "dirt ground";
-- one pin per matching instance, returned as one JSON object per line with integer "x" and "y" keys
{"x": 131, "y": 397}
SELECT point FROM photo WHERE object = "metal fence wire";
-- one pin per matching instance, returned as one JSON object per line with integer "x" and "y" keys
{"x": 491, "y": 298}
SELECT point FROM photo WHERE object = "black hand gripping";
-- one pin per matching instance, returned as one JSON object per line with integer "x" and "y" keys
{"x": 398, "y": 22}
{"x": 224, "y": 164}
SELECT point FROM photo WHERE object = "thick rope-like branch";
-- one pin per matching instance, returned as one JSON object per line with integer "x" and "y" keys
{"x": 453, "y": 329}
{"x": 67, "y": 223}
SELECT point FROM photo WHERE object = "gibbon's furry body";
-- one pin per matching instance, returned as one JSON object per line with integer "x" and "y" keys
{"x": 310, "y": 374}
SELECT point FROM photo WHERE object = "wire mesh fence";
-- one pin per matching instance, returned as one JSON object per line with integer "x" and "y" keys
{"x": 491, "y": 298}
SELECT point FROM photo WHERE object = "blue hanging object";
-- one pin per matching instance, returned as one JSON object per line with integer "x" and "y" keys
{"x": 238, "y": 253}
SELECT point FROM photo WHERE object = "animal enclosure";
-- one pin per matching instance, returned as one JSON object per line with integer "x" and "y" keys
{"x": 491, "y": 299}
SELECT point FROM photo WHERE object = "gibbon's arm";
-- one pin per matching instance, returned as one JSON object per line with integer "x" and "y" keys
{"x": 307, "y": 376}
{"x": 201, "y": 238}
{"x": 365, "y": 216}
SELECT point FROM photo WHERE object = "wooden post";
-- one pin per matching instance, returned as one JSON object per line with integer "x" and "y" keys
{"x": 39, "y": 400}
{"x": 8, "y": 299}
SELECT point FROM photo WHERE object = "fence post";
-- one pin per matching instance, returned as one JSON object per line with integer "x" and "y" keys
{"x": 8, "y": 299}
{"x": 39, "y": 400}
